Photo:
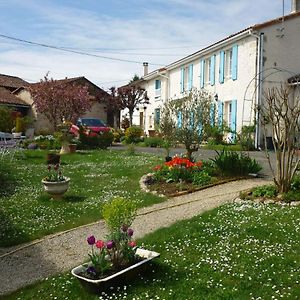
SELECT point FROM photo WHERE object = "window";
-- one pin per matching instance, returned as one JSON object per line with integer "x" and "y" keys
{"x": 186, "y": 78}
{"x": 157, "y": 84}
{"x": 157, "y": 88}
{"x": 207, "y": 70}
{"x": 228, "y": 63}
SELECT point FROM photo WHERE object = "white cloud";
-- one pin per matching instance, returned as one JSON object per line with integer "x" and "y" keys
{"x": 187, "y": 22}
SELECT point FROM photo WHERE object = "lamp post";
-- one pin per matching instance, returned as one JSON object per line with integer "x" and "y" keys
{"x": 216, "y": 97}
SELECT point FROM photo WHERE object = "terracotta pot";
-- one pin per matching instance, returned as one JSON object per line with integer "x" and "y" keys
{"x": 56, "y": 189}
{"x": 72, "y": 148}
{"x": 125, "y": 275}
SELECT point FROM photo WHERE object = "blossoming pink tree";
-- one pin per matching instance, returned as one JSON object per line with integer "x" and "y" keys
{"x": 58, "y": 100}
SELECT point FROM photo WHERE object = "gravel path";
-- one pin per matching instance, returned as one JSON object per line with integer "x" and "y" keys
{"x": 61, "y": 252}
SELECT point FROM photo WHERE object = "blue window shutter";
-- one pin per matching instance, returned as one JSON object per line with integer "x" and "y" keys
{"x": 234, "y": 62}
{"x": 182, "y": 81}
{"x": 179, "y": 119}
{"x": 220, "y": 113}
{"x": 202, "y": 69}
{"x": 222, "y": 67}
{"x": 212, "y": 69}
{"x": 212, "y": 115}
{"x": 190, "y": 82}
{"x": 233, "y": 117}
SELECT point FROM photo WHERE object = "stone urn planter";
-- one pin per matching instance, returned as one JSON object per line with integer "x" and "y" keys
{"x": 56, "y": 188}
{"x": 17, "y": 135}
{"x": 125, "y": 275}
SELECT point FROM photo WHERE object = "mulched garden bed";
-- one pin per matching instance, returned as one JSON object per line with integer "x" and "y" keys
{"x": 173, "y": 189}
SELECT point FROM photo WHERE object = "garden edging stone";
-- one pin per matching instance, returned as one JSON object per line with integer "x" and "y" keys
{"x": 55, "y": 254}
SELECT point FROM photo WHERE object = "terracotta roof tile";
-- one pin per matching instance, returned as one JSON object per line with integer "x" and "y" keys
{"x": 12, "y": 81}
{"x": 6, "y": 97}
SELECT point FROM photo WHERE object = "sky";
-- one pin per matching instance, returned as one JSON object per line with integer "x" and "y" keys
{"x": 158, "y": 32}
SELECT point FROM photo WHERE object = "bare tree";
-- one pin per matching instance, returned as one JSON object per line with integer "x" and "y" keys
{"x": 132, "y": 95}
{"x": 192, "y": 115}
{"x": 280, "y": 113}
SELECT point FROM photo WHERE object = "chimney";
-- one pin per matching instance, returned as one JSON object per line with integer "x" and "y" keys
{"x": 295, "y": 6}
{"x": 145, "y": 65}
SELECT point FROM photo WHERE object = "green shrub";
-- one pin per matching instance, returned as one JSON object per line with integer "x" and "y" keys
{"x": 133, "y": 134}
{"x": 295, "y": 185}
{"x": 232, "y": 163}
{"x": 131, "y": 149}
{"x": 118, "y": 134}
{"x": 155, "y": 142}
{"x": 209, "y": 168}
{"x": 119, "y": 212}
{"x": 93, "y": 141}
{"x": 269, "y": 191}
{"x": 246, "y": 138}
{"x": 6, "y": 120}
{"x": 292, "y": 195}
{"x": 201, "y": 178}
{"x": 215, "y": 135}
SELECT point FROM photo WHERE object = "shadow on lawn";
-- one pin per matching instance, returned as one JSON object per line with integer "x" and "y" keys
{"x": 139, "y": 280}
{"x": 66, "y": 198}
{"x": 7, "y": 180}
{"x": 74, "y": 198}
{"x": 10, "y": 234}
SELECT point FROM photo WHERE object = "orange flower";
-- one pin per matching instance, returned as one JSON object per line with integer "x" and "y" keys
{"x": 156, "y": 168}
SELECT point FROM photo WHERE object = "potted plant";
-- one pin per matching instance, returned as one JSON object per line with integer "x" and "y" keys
{"x": 117, "y": 258}
{"x": 55, "y": 183}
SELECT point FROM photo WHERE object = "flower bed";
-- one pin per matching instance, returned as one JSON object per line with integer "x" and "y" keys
{"x": 180, "y": 175}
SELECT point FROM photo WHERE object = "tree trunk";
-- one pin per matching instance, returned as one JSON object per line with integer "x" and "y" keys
{"x": 130, "y": 117}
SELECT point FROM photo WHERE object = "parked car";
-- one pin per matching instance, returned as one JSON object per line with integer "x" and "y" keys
{"x": 92, "y": 124}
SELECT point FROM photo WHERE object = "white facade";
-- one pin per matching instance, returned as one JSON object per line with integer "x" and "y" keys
{"x": 235, "y": 69}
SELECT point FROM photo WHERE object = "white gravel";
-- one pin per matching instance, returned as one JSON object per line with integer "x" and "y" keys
{"x": 61, "y": 252}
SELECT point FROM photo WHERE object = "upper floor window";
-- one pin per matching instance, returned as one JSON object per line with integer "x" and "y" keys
{"x": 157, "y": 84}
{"x": 186, "y": 78}
{"x": 157, "y": 88}
{"x": 207, "y": 70}
{"x": 228, "y": 63}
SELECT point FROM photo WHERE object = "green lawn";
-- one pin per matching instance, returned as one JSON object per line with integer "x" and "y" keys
{"x": 237, "y": 251}
{"x": 27, "y": 212}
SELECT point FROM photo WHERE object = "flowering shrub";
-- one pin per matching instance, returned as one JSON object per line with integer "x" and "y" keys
{"x": 54, "y": 174}
{"x": 178, "y": 169}
{"x": 93, "y": 140}
{"x": 118, "y": 251}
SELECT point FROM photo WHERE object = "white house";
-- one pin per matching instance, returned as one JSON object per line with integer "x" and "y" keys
{"x": 235, "y": 70}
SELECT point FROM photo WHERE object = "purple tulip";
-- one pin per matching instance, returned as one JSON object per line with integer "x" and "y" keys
{"x": 130, "y": 232}
{"x": 91, "y": 240}
{"x": 110, "y": 244}
{"x": 91, "y": 270}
